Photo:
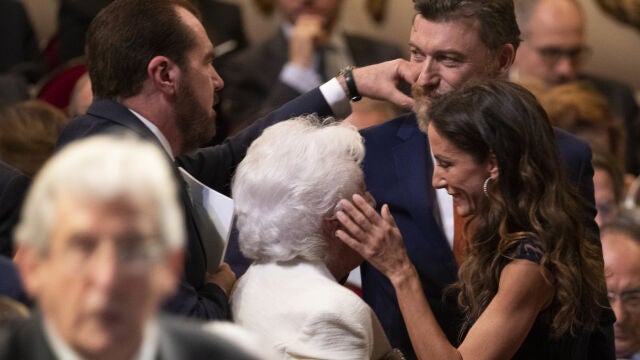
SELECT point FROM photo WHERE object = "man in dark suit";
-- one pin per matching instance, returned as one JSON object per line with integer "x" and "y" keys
{"x": 162, "y": 87}
{"x": 304, "y": 52}
{"x": 99, "y": 251}
{"x": 13, "y": 187}
{"x": 452, "y": 42}
{"x": 553, "y": 52}
{"x": 21, "y": 62}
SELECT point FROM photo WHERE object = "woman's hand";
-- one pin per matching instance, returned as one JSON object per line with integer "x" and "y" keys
{"x": 376, "y": 237}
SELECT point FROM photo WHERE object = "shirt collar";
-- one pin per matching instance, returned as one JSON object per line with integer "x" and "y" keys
{"x": 154, "y": 129}
{"x": 62, "y": 351}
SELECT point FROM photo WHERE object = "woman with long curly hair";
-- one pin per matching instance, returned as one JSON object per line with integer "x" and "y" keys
{"x": 532, "y": 283}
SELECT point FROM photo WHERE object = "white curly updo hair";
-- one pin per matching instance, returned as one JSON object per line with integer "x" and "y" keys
{"x": 291, "y": 179}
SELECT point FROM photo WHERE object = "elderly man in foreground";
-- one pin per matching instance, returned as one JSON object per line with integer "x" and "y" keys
{"x": 101, "y": 244}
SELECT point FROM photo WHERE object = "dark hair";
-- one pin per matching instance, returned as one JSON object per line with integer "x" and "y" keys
{"x": 530, "y": 200}
{"x": 126, "y": 35}
{"x": 497, "y": 19}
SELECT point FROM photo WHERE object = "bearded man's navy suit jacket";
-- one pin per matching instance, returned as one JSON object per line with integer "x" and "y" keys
{"x": 213, "y": 166}
{"x": 398, "y": 170}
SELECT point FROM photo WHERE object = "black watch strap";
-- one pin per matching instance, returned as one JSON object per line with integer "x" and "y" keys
{"x": 352, "y": 89}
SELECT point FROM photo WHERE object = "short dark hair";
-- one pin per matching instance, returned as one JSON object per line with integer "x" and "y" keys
{"x": 497, "y": 18}
{"x": 126, "y": 35}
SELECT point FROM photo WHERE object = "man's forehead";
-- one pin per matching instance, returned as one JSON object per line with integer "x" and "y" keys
{"x": 459, "y": 33}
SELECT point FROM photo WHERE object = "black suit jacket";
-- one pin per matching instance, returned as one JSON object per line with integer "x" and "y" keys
{"x": 213, "y": 166}
{"x": 25, "y": 339}
{"x": 252, "y": 85}
{"x": 398, "y": 171}
{"x": 13, "y": 188}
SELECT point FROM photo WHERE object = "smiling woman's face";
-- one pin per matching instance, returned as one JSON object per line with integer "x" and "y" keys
{"x": 457, "y": 171}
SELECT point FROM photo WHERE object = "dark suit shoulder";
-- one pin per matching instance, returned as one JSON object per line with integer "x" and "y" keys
{"x": 103, "y": 117}
{"x": 401, "y": 127}
{"x": 24, "y": 339}
{"x": 185, "y": 339}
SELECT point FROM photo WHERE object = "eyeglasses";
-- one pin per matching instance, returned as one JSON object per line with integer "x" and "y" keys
{"x": 551, "y": 54}
{"x": 630, "y": 299}
{"x": 133, "y": 256}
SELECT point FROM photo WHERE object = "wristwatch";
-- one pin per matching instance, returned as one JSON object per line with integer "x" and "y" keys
{"x": 352, "y": 89}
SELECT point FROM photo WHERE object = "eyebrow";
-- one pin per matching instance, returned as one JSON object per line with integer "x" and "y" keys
{"x": 440, "y": 51}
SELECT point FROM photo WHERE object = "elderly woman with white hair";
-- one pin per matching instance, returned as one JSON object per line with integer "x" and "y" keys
{"x": 286, "y": 191}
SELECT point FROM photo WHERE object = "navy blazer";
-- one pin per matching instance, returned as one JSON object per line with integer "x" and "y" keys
{"x": 213, "y": 166}
{"x": 398, "y": 170}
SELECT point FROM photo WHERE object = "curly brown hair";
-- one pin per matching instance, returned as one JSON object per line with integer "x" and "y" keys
{"x": 531, "y": 201}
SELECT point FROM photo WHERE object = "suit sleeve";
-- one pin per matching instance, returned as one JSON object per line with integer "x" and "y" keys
{"x": 206, "y": 303}
{"x": 215, "y": 165}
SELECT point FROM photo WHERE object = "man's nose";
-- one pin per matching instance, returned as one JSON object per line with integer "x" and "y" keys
{"x": 566, "y": 68}
{"x": 218, "y": 83}
{"x": 106, "y": 267}
{"x": 428, "y": 74}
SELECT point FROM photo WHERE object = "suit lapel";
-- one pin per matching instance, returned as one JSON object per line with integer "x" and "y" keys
{"x": 414, "y": 167}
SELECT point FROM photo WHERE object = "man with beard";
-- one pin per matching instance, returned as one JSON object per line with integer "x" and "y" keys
{"x": 452, "y": 41}
{"x": 155, "y": 79}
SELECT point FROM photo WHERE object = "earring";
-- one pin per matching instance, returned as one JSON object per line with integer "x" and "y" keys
{"x": 485, "y": 185}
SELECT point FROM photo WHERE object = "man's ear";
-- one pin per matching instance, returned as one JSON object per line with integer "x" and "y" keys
{"x": 30, "y": 266}
{"x": 164, "y": 74}
{"x": 504, "y": 57}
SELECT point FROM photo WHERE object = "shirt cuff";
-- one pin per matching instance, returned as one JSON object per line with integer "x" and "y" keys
{"x": 336, "y": 98}
{"x": 299, "y": 78}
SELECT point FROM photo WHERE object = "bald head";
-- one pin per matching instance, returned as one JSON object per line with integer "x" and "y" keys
{"x": 554, "y": 45}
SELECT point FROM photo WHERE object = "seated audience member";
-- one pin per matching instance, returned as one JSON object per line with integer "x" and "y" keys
{"x": 286, "y": 190}
{"x": 621, "y": 250}
{"x": 21, "y": 61}
{"x": 579, "y": 109}
{"x": 101, "y": 246}
{"x": 554, "y": 50}
{"x": 28, "y": 134}
{"x": 13, "y": 188}
{"x": 306, "y": 50}
{"x": 608, "y": 186}
{"x": 531, "y": 280}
